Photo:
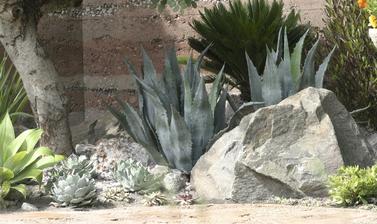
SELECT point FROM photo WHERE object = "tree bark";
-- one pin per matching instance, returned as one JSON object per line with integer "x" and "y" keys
{"x": 18, "y": 34}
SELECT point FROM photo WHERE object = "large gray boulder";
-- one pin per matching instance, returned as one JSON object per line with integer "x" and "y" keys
{"x": 284, "y": 150}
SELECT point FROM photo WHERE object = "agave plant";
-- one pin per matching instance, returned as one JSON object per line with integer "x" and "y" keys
{"x": 283, "y": 75}
{"x": 13, "y": 97}
{"x": 177, "y": 115}
{"x": 135, "y": 177}
{"x": 20, "y": 160}
{"x": 75, "y": 190}
{"x": 249, "y": 26}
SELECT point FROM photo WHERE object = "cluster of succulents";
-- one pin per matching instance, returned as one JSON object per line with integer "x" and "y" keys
{"x": 71, "y": 183}
{"x": 135, "y": 177}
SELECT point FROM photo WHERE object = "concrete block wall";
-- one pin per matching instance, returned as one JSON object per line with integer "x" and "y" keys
{"x": 89, "y": 45}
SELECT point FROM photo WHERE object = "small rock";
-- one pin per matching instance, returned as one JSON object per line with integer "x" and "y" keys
{"x": 28, "y": 207}
{"x": 175, "y": 181}
{"x": 159, "y": 170}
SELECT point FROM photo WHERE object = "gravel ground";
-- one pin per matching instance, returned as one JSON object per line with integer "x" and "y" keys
{"x": 251, "y": 214}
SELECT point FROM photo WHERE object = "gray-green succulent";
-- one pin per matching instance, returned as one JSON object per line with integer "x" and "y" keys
{"x": 74, "y": 190}
{"x": 283, "y": 75}
{"x": 135, "y": 177}
{"x": 74, "y": 164}
{"x": 177, "y": 116}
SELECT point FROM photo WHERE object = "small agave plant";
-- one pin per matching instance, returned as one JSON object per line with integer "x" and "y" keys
{"x": 283, "y": 75}
{"x": 135, "y": 177}
{"x": 177, "y": 116}
{"x": 74, "y": 190}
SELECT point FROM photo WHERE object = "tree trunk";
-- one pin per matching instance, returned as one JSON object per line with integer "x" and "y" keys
{"x": 18, "y": 34}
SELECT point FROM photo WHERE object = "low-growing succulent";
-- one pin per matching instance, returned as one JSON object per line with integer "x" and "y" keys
{"x": 155, "y": 199}
{"x": 186, "y": 197}
{"x": 354, "y": 185}
{"x": 135, "y": 177}
{"x": 177, "y": 116}
{"x": 283, "y": 75}
{"x": 74, "y": 190}
{"x": 74, "y": 164}
{"x": 118, "y": 194}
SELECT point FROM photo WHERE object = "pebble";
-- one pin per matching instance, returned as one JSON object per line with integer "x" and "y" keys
{"x": 28, "y": 207}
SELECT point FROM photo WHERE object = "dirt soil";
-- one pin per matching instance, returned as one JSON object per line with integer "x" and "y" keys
{"x": 251, "y": 214}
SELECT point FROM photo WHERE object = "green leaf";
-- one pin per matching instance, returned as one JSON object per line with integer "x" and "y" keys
{"x": 285, "y": 71}
{"x": 319, "y": 76}
{"x": 308, "y": 76}
{"x": 255, "y": 81}
{"x": 6, "y": 137}
{"x": 219, "y": 115}
{"x": 202, "y": 126}
{"x": 33, "y": 139}
{"x": 17, "y": 144}
{"x": 21, "y": 188}
{"x": 181, "y": 145}
{"x": 216, "y": 88}
{"x": 33, "y": 174}
{"x": 15, "y": 160}
{"x": 296, "y": 59}
{"x": 5, "y": 188}
{"x": 5, "y": 174}
{"x": 47, "y": 161}
{"x": 271, "y": 87}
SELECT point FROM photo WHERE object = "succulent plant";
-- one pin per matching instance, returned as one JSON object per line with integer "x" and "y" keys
{"x": 20, "y": 160}
{"x": 186, "y": 197}
{"x": 283, "y": 75}
{"x": 135, "y": 177}
{"x": 155, "y": 199}
{"x": 243, "y": 26}
{"x": 78, "y": 165}
{"x": 74, "y": 190}
{"x": 177, "y": 115}
{"x": 74, "y": 164}
{"x": 117, "y": 194}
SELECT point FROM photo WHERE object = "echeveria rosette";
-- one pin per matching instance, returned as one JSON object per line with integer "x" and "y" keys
{"x": 20, "y": 159}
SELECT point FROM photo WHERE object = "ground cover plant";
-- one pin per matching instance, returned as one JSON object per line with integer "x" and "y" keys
{"x": 352, "y": 74}
{"x": 243, "y": 27}
{"x": 354, "y": 185}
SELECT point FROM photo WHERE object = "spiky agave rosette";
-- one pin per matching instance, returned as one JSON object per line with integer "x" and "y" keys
{"x": 74, "y": 190}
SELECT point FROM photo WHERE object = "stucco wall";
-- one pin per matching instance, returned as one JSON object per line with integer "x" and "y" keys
{"x": 88, "y": 46}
